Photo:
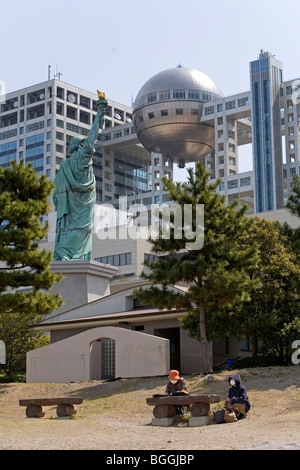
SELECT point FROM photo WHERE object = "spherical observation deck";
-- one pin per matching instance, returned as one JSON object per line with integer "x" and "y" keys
{"x": 167, "y": 114}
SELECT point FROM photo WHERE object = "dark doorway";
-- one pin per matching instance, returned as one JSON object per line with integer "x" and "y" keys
{"x": 173, "y": 335}
{"x": 107, "y": 359}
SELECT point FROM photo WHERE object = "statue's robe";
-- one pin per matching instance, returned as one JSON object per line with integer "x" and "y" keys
{"x": 74, "y": 199}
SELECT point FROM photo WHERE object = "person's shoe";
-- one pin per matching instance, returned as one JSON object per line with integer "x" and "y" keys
{"x": 241, "y": 416}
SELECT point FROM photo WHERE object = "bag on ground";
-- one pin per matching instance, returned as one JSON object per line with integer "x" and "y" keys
{"x": 229, "y": 416}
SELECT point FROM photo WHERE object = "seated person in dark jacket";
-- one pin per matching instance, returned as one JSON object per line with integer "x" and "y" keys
{"x": 176, "y": 384}
{"x": 237, "y": 399}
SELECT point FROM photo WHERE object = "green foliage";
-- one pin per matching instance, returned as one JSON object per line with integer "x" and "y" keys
{"x": 19, "y": 337}
{"x": 294, "y": 200}
{"x": 273, "y": 304}
{"x": 290, "y": 238}
{"x": 17, "y": 376}
{"x": 25, "y": 276}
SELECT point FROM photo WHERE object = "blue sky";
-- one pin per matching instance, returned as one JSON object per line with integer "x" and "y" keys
{"x": 117, "y": 45}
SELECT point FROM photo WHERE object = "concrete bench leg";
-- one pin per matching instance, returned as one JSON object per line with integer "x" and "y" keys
{"x": 35, "y": 411}
{"x": 164, "y": 411}
{"x": 66, "y": 410}
{"x": 199, "y": 413}
{"x": 198, "y": 421}
{"x": 163, "y": 415}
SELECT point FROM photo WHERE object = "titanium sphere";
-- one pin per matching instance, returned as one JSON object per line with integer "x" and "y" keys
{"x": 167, "y": 114}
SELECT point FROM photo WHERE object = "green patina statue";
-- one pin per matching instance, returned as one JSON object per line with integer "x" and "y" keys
{"x": 75, "y": 195}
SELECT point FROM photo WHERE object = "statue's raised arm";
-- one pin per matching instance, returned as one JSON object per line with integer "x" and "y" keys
{"x": 85, "y": 145}
{"x": 99, "y": 119}
{"x": 75, "y": 195}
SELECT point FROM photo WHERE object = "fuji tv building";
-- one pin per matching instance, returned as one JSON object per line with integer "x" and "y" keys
{"x": 181, "y": 116}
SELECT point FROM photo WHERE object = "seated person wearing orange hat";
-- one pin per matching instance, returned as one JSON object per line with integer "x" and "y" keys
{"x": 176, "y": 384}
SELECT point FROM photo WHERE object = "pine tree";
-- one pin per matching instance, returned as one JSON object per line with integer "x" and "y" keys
{"x": 213, "y": 273}
{"x": 25, "y": 276}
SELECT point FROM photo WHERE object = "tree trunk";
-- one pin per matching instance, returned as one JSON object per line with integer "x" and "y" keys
{"x": 203, "y": 340}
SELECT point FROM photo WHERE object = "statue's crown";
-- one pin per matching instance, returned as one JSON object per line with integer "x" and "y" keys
{"x": 100, "y": 94}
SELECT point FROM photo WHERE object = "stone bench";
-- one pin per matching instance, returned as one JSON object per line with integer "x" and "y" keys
{"x": 65, "y": 406}
{"x": 164, "y": 409}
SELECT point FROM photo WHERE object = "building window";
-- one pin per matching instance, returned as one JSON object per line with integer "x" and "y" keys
{"x": 122, "y": 259}
{"x": 35, "y": 151}
{"x": 220, "y": 108}
{"x": 60, "y": 123}
{"x": 150, "y": 258}
{"x": 194, "y": 112}
{"x": 139, "y": 328}
{"x": 230, "y": 105}
{"x": 232, "y": 184}
{"x": 151, "y": 97}
{"x": 71, "y": 113}
{"x": 117, "y": 134}
{"x": 178, "y": 94}
{"x": 59, "y": 148}
{"x": 8, "y": 134}
{"x": 164, "y": 112}
{"x": 164, "y": 95}
{"x": 8, "y": 152}
{"x": 85, "y": 102}
{"x": 242, "y": 101}
{"x": 84, "y": 117}
{"x": 9, "y": 120}
{"x": 245, "y": 181}
{"x": 34, "y": 127}
{"x": 60, "y": 136}
{"x": 292, "y": 145}
{"x": 151, "y": 115}
{"x": 60, "y": 93}
{"x": 209, "y": 110}
{"x": 179, "y": 111}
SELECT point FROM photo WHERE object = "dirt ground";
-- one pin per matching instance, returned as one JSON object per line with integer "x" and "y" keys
{"x": 114, "y": 415}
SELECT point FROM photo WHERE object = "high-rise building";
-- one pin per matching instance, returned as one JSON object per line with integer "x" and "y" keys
{"x": 266, "y": 81}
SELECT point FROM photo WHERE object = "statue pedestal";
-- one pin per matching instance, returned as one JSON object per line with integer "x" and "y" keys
{"x": 83, "y": 282}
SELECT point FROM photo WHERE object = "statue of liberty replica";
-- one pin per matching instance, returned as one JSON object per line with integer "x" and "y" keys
{"x": 75, "y": 195}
